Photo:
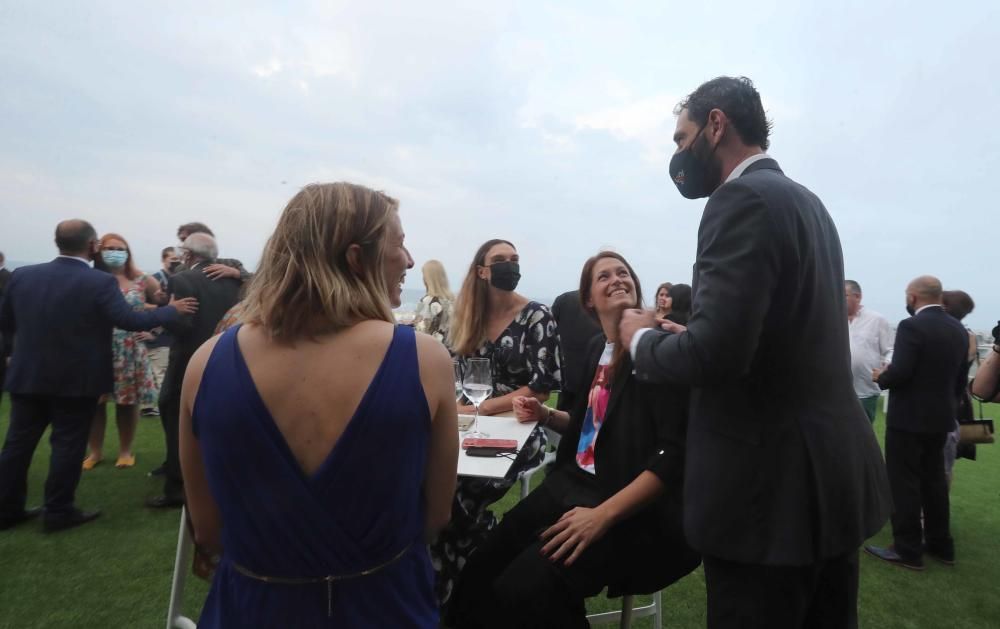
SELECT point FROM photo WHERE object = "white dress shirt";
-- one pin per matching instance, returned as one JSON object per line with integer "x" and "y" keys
{"x": 84, "y": 260}
{"x": 738, "y": 171}
{"x": 871, "y": 342}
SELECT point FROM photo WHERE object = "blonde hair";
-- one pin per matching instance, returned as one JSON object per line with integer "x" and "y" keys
{"x": 468, "y": 330}
{"x": 436, "y": 280}
{"x": 304, "y": 285}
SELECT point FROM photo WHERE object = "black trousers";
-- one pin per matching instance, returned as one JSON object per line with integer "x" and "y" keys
{"x": 823, "y": 595}
{"x": 170, "y": 415}
{"x": 508, "y": 583}
{"x": 30, "y": 415}
{"x": 915, "y": 464}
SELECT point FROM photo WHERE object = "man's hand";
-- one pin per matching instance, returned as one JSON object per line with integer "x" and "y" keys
{"x": 632, "y": 322}
{"x": 576, "y": 530}
{"x": 145, "y": 337}
{"x": 188, "y": 305}
{"x": 670, "y": 326}
{"x": 219, "y": 271}
{"x": 876, "y": 372}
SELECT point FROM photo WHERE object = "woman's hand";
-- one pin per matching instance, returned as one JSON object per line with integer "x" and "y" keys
{"x": 575, "y": 531}
{"x": 466, "y": 409}
{"x": 528, "y": 409}
{"x": 187, "y": 305}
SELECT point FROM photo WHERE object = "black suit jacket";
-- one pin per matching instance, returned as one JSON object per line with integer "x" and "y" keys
{"x": 927, "y": 374}
{"x": 782, "y": 465}
{"x": 643, "y": 429}
{"x": 214, "y": 297}
{"x": 4, "y": 345}
{"x": 577, "y": 328}
{"x": 60, "y": 315}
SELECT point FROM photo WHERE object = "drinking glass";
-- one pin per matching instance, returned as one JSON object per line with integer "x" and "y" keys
{"x": 457, "y": 366}
{"x": 477, "y": 385}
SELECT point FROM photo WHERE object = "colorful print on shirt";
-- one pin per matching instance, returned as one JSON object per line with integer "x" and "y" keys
{"x": 597, "y": 406}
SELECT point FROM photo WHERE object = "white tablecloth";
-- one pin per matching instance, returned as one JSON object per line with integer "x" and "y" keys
{"x": 502, "y": 426}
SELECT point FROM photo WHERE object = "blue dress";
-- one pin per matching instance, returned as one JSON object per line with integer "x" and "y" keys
{"x": 362, "y": 508}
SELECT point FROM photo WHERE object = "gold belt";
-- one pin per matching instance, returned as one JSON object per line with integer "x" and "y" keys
{"x": 329, "y": 579}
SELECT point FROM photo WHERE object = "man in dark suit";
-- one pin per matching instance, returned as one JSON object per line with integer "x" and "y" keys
{"x": 576, "y": 329}
{"x": 214, "y": 297}
{"x": 925, "y": 379}
{"x": 4, "y": 346}
{"x": 60, "y": 315}
{"x": 784, "y": 478}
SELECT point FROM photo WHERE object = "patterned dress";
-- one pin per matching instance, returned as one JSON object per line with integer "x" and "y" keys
{"x": 526, "y": 354}
{"x": 434, "y": 317}
{"x": 134, "y": 382}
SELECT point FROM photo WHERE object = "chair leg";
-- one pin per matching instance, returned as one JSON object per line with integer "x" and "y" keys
{"x": 626, "y": 622}
{"x": 658, "y": 610}
{"x": 182, "y": 563}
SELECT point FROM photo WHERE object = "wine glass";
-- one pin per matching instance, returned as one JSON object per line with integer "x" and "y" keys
{"x": 457, "y": 365}
{"x": 477, "y": 385}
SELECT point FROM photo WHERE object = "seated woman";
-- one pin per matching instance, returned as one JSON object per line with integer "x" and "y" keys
{"x": 519, "y": 336}
{"x": 282, "y": 415}
{"x": 609, "y": 514}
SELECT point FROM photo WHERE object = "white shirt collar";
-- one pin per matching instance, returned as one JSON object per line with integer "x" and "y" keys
{"x": 84, "y": 260}
{"x": 741, "y": 168}
{"x": 922, "y": 308}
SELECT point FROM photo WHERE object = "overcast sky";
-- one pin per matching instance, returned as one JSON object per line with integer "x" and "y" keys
{"x": 547, "y": 124}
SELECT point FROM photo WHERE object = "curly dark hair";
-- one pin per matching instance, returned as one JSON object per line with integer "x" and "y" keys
{"x": 738, "y": 99}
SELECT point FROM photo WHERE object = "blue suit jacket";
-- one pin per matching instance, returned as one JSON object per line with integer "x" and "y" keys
{"x": 60, "y": 315}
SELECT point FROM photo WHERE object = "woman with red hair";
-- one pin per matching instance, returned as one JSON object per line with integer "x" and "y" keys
{"x": 134, "y": 384}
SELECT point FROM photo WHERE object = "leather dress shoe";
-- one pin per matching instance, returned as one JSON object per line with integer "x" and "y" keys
{"x": 164, "y": 502}
{"x": 54, "y": 525}
{"x": 889, "y": 555}
{"x": 948, "y": 560}
{"x": 24, "y": 516}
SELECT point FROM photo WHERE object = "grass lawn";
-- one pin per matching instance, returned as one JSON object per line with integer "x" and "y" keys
{"x": 116, "y": 572}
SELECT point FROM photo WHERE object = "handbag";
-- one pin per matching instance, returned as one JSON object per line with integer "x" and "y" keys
{"x": 976, "y": 431}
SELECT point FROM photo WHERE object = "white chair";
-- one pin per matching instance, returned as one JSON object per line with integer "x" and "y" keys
{"x": 627, "y": 613}
{"x": 182, "y": 565}
{"x": 550, "y": 457}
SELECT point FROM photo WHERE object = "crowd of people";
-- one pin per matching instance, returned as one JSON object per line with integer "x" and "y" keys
{"x": 313, "y": 439}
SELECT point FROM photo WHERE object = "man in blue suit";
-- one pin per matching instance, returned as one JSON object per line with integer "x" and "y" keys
{"x": 60, "y": 315}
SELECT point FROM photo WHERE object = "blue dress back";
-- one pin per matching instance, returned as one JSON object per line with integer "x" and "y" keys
{"x": 360, "y": 509}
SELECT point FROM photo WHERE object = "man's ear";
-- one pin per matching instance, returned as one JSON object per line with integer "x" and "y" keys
{"x": 354, "y": 259}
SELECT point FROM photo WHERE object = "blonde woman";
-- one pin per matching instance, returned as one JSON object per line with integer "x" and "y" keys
{"x": 434, "y": 311}
{"x": 520, "y": 339}
{"x": 283, "y": 414}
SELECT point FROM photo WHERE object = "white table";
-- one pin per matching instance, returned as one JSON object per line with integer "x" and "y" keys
{"x": 502, "y": 426}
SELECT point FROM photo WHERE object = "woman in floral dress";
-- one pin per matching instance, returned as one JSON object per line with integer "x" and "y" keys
{"x": 134, "y": 385}
{"x": 520, "y": 338}
{"x": 434, "y": 311}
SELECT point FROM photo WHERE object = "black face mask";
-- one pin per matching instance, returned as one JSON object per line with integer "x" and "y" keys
{"x": 172, "y": 268}
{"x": 505, "y": 275}
{"x": 695, "y": 175}
{"x": 911, "y": 310}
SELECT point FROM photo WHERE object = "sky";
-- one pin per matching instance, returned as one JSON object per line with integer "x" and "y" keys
{"x": 547, "y": 124}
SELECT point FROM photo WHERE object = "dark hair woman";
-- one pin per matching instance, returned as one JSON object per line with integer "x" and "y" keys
{"x": 609, "y": 513}
{"x": 680, "y": 304}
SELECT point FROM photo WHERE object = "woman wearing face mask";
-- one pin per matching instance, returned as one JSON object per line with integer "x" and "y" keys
{"x": 519, "y": 337}
{"x": 134, "y": 382}
{"x": 609, "y": 513}
{"x": 680, "y": 304}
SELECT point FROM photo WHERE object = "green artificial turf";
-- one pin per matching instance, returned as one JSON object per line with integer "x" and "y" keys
{"x": 116, "y": 571}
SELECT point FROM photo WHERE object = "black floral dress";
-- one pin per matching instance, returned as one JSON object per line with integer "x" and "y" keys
{"x": 526, "y": 354}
